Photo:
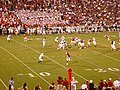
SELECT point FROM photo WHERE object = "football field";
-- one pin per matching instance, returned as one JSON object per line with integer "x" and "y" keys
{"x": 19, "y": 59}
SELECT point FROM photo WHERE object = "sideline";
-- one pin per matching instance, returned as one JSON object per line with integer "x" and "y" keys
{"x": 25, "y": 65}
{"x": 3, "y": 83}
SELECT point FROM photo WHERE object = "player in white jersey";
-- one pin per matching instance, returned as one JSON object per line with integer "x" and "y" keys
{"x": 81, "y": 44}
{"x": 63, "y": 38}
{"x": 25, "y": 38}
{"x": 41, "y": 57}
{"x": 56, "y": 39}
{"x": 116, "y": 84}
{"x": 74, "y": 40}
{"x": 8, "y": 38}
{"x": 113, "y": 46}
{"x": 84, "y": 86}
{"x": 94, "y": 41}
{"x": 44, "y": 42}
{"x": 11, "y": 84}
{"x": 61, "y": 45}
{"x": 73, "y": 84}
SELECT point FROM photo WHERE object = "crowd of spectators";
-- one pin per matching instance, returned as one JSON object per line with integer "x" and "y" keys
{"x": 41, "y": 15}
{"x": 63, "y": 84}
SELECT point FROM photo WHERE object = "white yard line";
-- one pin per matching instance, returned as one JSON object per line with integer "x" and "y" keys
{"x": 3, "y": 83}
{"x": 25, "y": 65}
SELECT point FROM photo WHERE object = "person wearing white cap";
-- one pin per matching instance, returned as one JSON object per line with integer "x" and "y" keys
{"x": 105, "y": 85}
{"x": 91, "y": 85}
{"x": 73, "y": 84}
{"x": 41, "y": 57}
{"x": 110, "y": 83}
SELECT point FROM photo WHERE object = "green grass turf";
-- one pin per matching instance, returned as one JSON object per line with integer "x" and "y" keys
{"x": 19, "y": 58}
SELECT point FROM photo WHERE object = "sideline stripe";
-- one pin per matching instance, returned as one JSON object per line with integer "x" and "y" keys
{"x": 3, "y": 83}
{"x": 25, "y": 65}
{"x": 50, "y": 59}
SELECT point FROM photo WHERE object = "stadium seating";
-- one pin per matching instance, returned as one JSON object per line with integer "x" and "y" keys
{"x": 87, "y": 14}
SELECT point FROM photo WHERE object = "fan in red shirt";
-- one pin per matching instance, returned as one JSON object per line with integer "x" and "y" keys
{"x": 105, "y": 85}
{"x": 52, "y": 86}
{"x": 110, "y": 83}
{"x": 87, "y": 83}
{"x": 59, "y": 83}
{"x": 100, "y": 84}
{"x": 65, "y": 83}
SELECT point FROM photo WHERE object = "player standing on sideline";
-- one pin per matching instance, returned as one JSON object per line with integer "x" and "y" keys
{"x": 73, "y": 84}
{"x": 11, "y": 84}
{"x": 8, "y": 38}
{"x": 56, "y": 39}
{"x": 113, "y": 46}
{"x": 68, "y": 58}
{"x": 44, "y": 41}
{"x": 65, "y": 83}
{"x": 110, "y": 84}
{"x": 91, "y": 85}
{"x": 41, "y": 57}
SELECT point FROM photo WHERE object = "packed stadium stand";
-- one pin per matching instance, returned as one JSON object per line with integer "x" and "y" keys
{"x": 81, "y": 15}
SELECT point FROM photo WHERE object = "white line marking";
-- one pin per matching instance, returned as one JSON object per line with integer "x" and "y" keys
{"x": 3, "y": 83}
{"x": 25, "y": 65}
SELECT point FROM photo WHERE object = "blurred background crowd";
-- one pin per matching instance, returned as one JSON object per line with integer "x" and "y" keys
{"x": 59, "y": 16}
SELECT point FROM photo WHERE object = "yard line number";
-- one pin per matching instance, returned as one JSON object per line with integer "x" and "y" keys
{"x": 32, "y": 76}
{"x": 105, "y": 70}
